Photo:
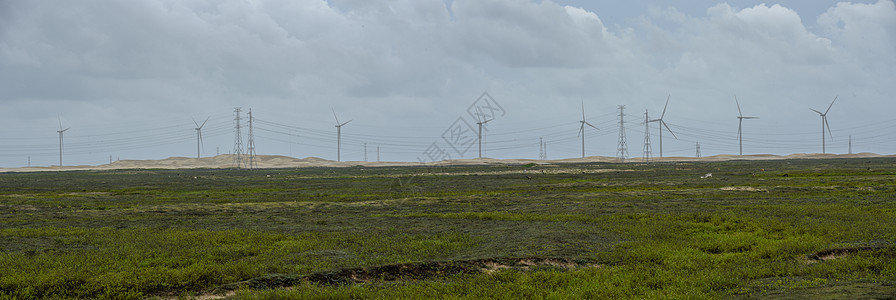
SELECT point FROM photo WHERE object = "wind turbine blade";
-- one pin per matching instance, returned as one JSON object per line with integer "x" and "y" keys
{"x": 581, "y": 129}
{"x": 344, "y": 123}
{"x": 817, "y": 111}
{"x": 583, "y": 109}
{"x": 60, "y": 122}
{"x": 829, "y": 128}
{"x": 194, "y": 121}
{"x": 749, "y": 117}
{"x": 664, "y": 107}
{"x": 670, "y": 130}
{"x": 738, "y": 106}
{"x": 203, "y": 122}
{"x": 592, "y": 126}
{"x": 334, "y": 115}
{"x": 67, "y": 128}
{"x": 832, "y": 104}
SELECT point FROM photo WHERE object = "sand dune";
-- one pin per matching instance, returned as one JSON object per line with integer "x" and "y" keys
{"x": 277, "y": 161}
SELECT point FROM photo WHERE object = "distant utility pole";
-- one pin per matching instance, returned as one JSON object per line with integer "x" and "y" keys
{"x": 850, "y": 144}
{"x": 29, "y": 160}
{"x": 622, "y": 147}
{"x": 646, "y": 137}
{"x": 377, "y": 153}
{"x": 253, "y": 163}
{"x": 110, "y": 159}
{"x": 542, "y": 154}
{"x": 237, "y": 139}
{"x": 698, "y": 150}
{"x": 365, "y": 151}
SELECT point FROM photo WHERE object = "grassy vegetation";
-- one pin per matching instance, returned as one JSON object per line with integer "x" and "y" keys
{"x": 759, "y": 229}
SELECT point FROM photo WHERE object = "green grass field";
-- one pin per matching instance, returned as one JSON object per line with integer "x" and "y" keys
{"x": 759, "y": 229}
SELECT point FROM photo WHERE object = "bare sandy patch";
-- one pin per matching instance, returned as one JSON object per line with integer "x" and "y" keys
{"x": 742, "y": 189}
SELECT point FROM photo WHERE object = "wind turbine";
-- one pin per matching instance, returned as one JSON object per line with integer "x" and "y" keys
{"x": 663, "y": 123}
{"x": 339, "y": 136}
{"x": 480, "y": 123}
{"x": 740, "y": 121}
{"x": 824, "y": 123}
{"x": 582, "y": 128}
{"x": 199, "y": 134}
{"x": 60, "y": 131}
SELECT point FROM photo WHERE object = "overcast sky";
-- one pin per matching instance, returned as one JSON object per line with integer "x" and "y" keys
{"x": 128, "y": 76}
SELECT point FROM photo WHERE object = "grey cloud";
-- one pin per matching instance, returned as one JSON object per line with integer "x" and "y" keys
{"x": 388, "y": 60}
{"x": 525, "y": 34}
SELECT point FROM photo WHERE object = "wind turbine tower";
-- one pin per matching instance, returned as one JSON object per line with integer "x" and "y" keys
{"x": 582, "y": 128}
{"x": 61, "y": 131}
{"x": 662, "y": 123}
{"x": 740, "y": 121}
{"x": 824, "y": 123}
{"x": 339, "y": 136}
{"x": 199, "y": 134}
{"x": 480, "y": 123}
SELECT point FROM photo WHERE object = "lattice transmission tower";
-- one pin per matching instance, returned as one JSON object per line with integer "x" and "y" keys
{"x": 622, "y": 147}
{"x": 647, "y": 153}
{"x": 237, "y": 139}
{"x": 252, "y": 160}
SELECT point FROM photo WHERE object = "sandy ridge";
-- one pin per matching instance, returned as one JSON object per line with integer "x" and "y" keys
{"x": 224, "y": 161}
